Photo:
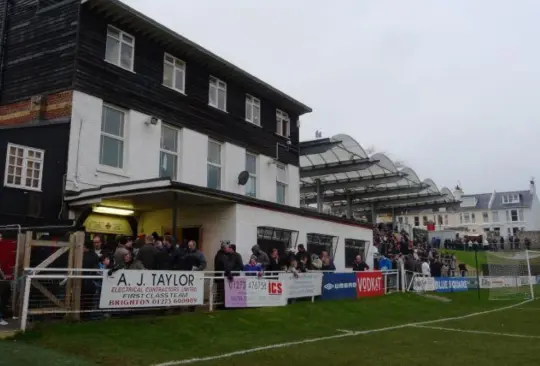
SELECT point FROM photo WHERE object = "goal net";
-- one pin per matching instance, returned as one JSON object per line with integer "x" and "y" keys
{"x": 511, "y": 275}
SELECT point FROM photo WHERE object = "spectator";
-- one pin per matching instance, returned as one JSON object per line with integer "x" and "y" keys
{"x": 436, "y": 268}
{"x": 260, "y": 256}
{"x": 223, "y": 261}
{"x": 148, "y": 254}
{"x": 275, "y": 262}
{"x": 253, "y": 267}
{"x": 130, "y": 263}
{"x": 303, "y": 254}
{"x": 327, "y": 264}
{"x": 359, "y": 264}
{"x": 237, "y": 262}
{"x": 426, "y": 272}
{"x": 121, "y": 250}
{"x": 194, "y": 259}
{"x": 97, "y": 243}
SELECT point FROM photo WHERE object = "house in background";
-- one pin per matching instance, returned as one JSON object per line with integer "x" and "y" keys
{"x": 503, "y": 213}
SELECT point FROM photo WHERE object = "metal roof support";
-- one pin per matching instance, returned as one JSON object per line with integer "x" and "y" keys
{"x": 400, "y": 201}
{"x": 319, "y": 196}
{"x": 373, "y": 193}
{"x": 373, "y": 215}
{"x": 349, "y": 207}
{"x": 336, "y": 168}
{"x": 352, "y": 183}
{"x": 319, "y": 146}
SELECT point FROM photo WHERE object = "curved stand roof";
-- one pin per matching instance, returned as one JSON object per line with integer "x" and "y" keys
{"x": 338, "y": 172}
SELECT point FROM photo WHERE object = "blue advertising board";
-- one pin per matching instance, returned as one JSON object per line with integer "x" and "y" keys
{"x": 339, "y": 286}
{"x": 451, "y": 284}
{"x": 472, "y": 282}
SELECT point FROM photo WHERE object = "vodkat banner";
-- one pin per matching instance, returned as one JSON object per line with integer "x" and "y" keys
{"x": 245, "y": 292}
{"x": 141, "y": 289}
{"x": 303, "y": 285}
{"x": 369, "y": 283}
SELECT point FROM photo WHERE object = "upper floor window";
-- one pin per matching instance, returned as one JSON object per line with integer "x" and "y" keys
{"x": 168, "y": 156}
{"x": 445, "y": 219}
{"x": 214, "y": 165}
{"x": 120, "y": 49}
{"x": 281, "y": 184}
{"x": 251, "y": 167}
{"x": 111, "y": 152}
{"x": 510, "y": 198}
{"x": 217, "y": 95}
{"x": 283, "y": 126}
{"x": 24, "y": 167}
{"x": 253, "y": 110}
{"x": 495, "y": 216}
{"x": 514, "y": 215}
{"x": 485, "y": 217}
{"x": 473, "y": 218}
{"x": 466, "y": 218}
{"x": 416, "y": 221}
{"x": 174, "y": 73}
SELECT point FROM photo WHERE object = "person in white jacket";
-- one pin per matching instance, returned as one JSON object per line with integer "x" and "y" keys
{"x": 426, "y": 271}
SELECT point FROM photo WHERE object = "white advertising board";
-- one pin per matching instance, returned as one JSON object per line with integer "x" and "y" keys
{"x": 142, "y": 289}
{"x": 302, "y": 285}
{"x": 246, "y": 292}
{"x": 422, "y": 284}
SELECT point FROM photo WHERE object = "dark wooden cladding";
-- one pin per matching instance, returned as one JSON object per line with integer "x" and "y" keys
{"x": 143, "y": 90}
{"x": 26, "y": 207}
{"x": 40, "y": 48}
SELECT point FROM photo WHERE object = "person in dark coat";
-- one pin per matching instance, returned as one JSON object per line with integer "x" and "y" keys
{"x": 237, "y": 262}
{"x": 223, "y": 262}
{"x": 194, "y": 259}
{"x": 148, "y": 254}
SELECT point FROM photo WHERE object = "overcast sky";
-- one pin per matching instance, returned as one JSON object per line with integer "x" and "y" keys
{"x": 449, "y": 87}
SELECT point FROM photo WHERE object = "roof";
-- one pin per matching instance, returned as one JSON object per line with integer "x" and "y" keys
{"x": 484, "y": 199}
{"x": 158, "y": 31}
{"x": 339, "y": 171}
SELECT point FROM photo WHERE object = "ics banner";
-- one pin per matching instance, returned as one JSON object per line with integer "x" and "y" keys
{"x": 302, "y": 285}
{"x": 339, "y": 286}
{"x": 245, "y": 292}
{"x": 369, "y": 283}
{"x": 451, "y": 284}
{"x": 142, "y": 289}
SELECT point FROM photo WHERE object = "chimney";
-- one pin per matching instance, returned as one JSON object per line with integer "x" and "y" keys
{"x": 532, "y": 187}
{"x": 458, "y": 192}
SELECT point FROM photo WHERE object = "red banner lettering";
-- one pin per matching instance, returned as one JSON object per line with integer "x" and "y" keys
{"x": 369, "y": 284}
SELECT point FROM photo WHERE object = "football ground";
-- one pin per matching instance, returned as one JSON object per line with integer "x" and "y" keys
{"x": 398, "y": 329}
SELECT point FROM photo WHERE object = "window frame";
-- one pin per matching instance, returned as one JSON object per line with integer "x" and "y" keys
{"x": 217, "y": 87}
{"x": 122, "y": 139}
{"x": 174, "y": 68}
{"x": 122, "y": 41}
{"x": 495, "y": 216}
{"x": 466, "y": 218}
{"x": 252, "y": 175}
{"x": 216, "y": 165}
{"x": 511, "y": 198}
{"x": 282, "y": 116}
{"x": 254, "y": 103}
{"x": 282, "y": 183}
{"x": 176, "y": 153}
{"x": 485, "y": 217}
{"x": 24, "y": 168}
{"x": 445, "y": 220}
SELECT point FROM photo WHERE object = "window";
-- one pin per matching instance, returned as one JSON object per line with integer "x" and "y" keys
{"x": 461, "y": 218}
{"x": 174, "y": 73}
{"x": 112, "y": 137}
{"x": 424, "y": 220}
{"x": 214, "y": 165}
{"x": 353, "y": 247}
{"x": 445, "y": 219}
{"x": 510, "y": 198}
{"x": 120, "y": 49}
{"x": 416, "y": 221}
{"x": 168, "y": 157}
{"x": 497, "y": 231}
{"x": 24, "y": 167}
{"x": 316, "y": 243}
{"x": 439, "y": 220}
{"x": 466, "y": 218}
{"x": 281, "y": 184}
{"x": 253, "y": 110}
{"x": 473, "y": 218}
{"x": 514, "y": 215}
{"x": 400, "y": 220}
{"x": 495, "y": 216}
{"x": 485, "y": 217}
{"x": 251, "y": 167}
{"x": 406, "y": 220}
{"x": 217, "y": 94}
{"x": 269, "y": 238}
{"x": 283, "y": 127}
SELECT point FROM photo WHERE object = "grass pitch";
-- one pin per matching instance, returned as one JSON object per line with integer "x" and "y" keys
{"x": 508, "y": 337}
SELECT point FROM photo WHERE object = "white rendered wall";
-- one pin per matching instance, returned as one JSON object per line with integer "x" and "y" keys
{"x": 141, "y": 151}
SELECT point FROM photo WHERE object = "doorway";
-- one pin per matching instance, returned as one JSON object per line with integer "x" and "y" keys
{"x": 192, "y": 233}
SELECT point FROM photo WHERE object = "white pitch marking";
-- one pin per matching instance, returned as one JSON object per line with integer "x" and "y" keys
{"x": 344, "y": 331}
{"x": 477, "y": 332}
{"x": 326, "y": 338}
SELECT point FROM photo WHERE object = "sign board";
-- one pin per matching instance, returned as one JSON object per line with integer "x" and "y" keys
{"x": 339, "y": 286}
{"x": 107, "y": 225}
{"x": 424, "y": 284}
{"x": 142, "y": 289}
{"x": 245, "y": 292}
{"x": 451, "y": 284}
{"x": 303, "y": 285}
{"x": 369, "y": 283}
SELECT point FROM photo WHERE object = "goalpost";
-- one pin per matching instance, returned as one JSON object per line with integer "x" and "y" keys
{"x": 511, "y": 275}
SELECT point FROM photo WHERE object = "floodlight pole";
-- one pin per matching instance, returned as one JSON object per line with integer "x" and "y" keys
{"x": 477, "y": 271}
